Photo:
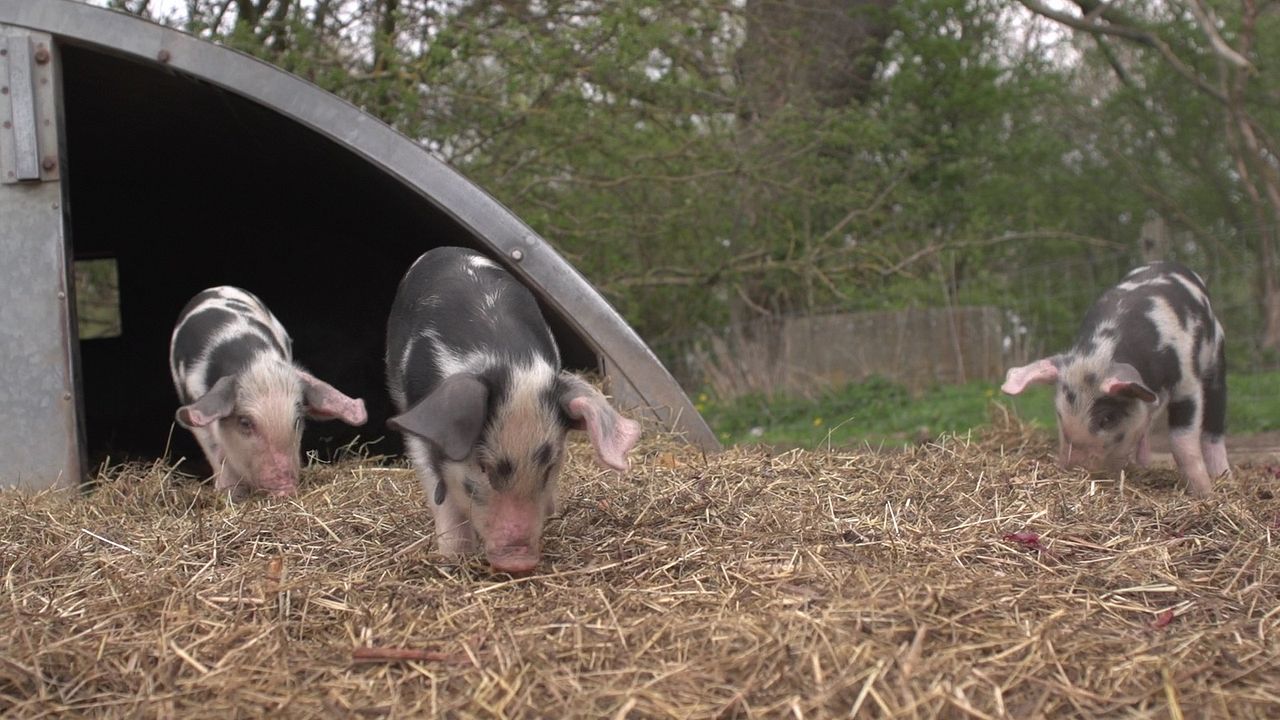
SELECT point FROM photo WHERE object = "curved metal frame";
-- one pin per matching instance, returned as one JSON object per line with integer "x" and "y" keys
{"x": 628, "y": 360}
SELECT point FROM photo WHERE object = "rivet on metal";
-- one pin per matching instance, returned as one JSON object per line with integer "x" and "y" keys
{"x": 517, "y": 254}
{"x": 42, "y": 55}
{"x": 55, "y": 206}
{"x": 66, "y": 396}
{"x": 49, "y": 163}
{"x": 62, "y": 295}
{"x": 163, "y": 56}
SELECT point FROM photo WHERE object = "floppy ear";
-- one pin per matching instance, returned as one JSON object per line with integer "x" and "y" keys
{"x": 1123, "y": 380}
{"x": 451, "y": 417}
{"x": 324, "y": 402}
{"x": 214, "y": 405}
{"x": 1040, "y": 372}
{"x": 611, "y": 434}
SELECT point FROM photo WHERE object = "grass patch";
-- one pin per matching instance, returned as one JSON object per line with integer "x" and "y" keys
{"x": 878, "y": 412}
{"x": 1253, "y": 402}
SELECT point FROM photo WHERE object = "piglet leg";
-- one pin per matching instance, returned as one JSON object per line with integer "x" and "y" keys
{"x": 454, "y": 533}
{"x": 1144, "y": 451}
{"x": 1213, "y": 425}
{"x": 1190, "y": 460}
{"x": 1215, "y": 455}
{"x": 224, "y": 478}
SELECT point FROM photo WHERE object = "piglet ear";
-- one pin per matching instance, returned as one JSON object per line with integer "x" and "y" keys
{"x": 1040, "y": 372}
{"x": 611, "y": 434}
{"x": 324, "y": 402}
{"x": 1123, "y": 380}
{"x": 451, "y": 417}
{"x": 214, "y": 405}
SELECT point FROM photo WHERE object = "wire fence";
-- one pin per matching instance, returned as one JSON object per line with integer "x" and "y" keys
{"x": 1037, "y": 309}
{"x": 1046, "y": 302}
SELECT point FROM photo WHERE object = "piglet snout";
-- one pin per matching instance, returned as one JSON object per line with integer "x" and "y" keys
{"x": 279, "y": 475}
{"x": 1072, "y": 457}
{"x": 514, "y": 559}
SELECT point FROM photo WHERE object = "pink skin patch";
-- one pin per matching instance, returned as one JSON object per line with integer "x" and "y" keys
{"x": 1144, "y": 451}
{"x": 1091, "y": 456}
{"x": 454, "y": 533}
{"x": 1080, "y": 455}
{"x": 1190, "y": 460}
{"x": 1127, "y": 388}
{"x": 612, "y": 435}
{"x": 512, "y": 535}
{"x": 324, "y": 402}
{"x": 278, "y": 474}
{"x": 516, "y": 559}
{"x": 1040, "y": 372}
{"x": 1078, "y": 448}
{"x": 1215, "y": 457}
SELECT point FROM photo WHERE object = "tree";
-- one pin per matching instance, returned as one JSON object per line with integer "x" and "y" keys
{"x": 1220, "y": 53}
{"x": 729, "y": 159}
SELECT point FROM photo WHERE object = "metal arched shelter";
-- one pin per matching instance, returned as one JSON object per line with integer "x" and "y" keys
{"x": 192, "y": 165}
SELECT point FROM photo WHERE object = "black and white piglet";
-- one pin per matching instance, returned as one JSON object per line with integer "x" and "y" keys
{"x": 242, "y": 396}
{"x": 475, "y": 373}
{"x": 1147, "y": 345}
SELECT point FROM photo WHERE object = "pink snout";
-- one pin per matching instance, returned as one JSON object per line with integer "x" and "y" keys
{"x": 280, "y": 477}
{"x": 513, "y": 534}
{"x": 514, "y": 559}
{"x": 1075, "y": 456}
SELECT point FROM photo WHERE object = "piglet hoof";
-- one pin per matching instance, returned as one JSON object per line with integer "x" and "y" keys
{"x": 1201, "y": 488}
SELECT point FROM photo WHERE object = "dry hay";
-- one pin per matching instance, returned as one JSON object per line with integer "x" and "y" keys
{"x": 959, "y": 579}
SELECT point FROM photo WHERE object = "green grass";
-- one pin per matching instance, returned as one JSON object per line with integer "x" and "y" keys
{"x": 879, "y": 412}
{"x": 1253, "y": 402}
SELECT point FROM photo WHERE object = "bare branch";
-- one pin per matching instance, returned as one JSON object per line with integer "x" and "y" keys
{"x": 1090, "y": 24}
{"x": 858, "y": 212}
{"x": 1224, "y": 51}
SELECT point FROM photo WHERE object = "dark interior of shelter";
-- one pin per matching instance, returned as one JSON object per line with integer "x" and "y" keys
{"x": 188, "y": 186}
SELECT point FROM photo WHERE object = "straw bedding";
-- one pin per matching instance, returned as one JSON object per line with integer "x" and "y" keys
{"x": 966, "y": 578}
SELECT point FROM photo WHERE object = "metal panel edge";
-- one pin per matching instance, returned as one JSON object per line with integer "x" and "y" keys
{"x": 42, "y": 445}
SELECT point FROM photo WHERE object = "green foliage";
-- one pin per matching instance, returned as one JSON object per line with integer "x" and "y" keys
{"x": 875, "y": 412}
{"x": 1253, "y": 402}
{"x": 644, "y": 140}
{"x": 882, "y": 413}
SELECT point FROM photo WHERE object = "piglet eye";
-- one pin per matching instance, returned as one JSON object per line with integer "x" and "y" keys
{"x": 246, "y": 423}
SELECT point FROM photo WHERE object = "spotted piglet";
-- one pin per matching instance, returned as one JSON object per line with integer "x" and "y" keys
{"x": 475, "y": 373}
{"x": 1148, "y": 345}
{"x": 242, "y": 396}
